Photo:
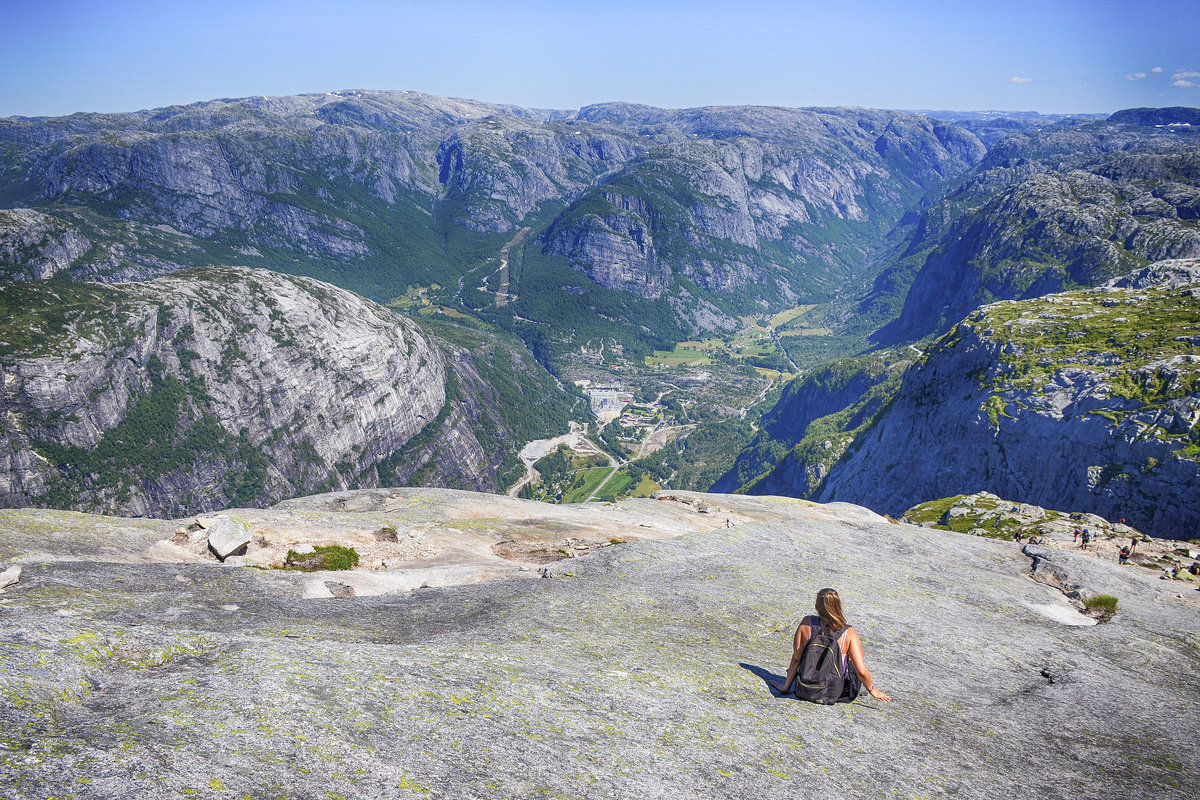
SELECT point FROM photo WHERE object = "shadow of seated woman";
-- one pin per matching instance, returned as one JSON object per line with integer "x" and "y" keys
{"x": 767, "y": 677}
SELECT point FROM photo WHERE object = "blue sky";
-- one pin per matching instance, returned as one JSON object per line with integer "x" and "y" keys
{"x": 61, "y": 56}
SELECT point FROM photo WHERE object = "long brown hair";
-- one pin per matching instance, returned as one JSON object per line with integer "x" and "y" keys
{"x": 829, "y": 608}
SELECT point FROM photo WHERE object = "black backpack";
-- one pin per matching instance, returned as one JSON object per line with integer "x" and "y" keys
{"x": 821, "y": 677}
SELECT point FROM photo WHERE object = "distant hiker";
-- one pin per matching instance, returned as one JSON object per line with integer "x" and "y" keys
{"x": 1132, "y": 543}
{"x": 1087, "y": 537}
{"x": 1123, "y": 556}
{"x": 1017, "y": 536}
{"x": 827, "y": 657}
{"x": 728, "y": 524}
{"x": 1195, "y": 568}
{"x": 1076, "y": 535}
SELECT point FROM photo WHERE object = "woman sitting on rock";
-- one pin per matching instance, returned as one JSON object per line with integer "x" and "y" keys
{"x": 826, "y": 648}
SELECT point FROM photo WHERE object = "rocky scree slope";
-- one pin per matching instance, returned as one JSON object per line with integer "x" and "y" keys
{"x": 225, "y": 386}
{"x": 1087, "y": 400}
{"x": 639, "y": 671}
{"x": 1070, "y": 206}
{"x": 381, "y": 190}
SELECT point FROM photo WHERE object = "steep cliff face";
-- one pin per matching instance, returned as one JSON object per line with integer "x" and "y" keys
{"x": 814, "y": 422}
{"x": 35, "y": 246}
{"x": 227, "y": 386}
{"x": 497, "y": 171}
{"x": 1087, "y": 399}
{"x": 1068, "y": 207}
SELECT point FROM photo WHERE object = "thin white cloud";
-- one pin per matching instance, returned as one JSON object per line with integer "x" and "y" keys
{"x": 1135, "y": 76}
{"x": 1184, "y": 74}
{"x": 1156, "y": 69}
{"x": 1018, "y": 79}
{"x": 1183, "y": 84}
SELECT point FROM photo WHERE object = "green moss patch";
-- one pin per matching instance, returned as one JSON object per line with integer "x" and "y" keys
{"x": 329, "y": 557}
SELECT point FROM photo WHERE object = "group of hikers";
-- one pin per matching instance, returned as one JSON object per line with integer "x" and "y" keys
{"x": 1084, "y": 537}
{"x": 1194, "y": 569}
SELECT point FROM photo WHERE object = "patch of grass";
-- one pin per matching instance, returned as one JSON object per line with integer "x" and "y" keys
{"x": 618, "y": 486}
{"x": 326, "y": 557}
{"x": 680, "y": 356}
{"x": 931, "y": 511}
{"x": 1100, "y": 606}
{"x": 1106, "y": 601}
{"x": 789, "y": 316}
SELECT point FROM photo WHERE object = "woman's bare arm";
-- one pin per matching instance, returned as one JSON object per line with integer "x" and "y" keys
{"x": 855, "y": 652}
{"x": 798, "y": 642}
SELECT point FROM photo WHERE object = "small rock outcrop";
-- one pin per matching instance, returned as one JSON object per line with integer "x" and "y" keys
{"x": 9, "y": 577}
{"x": 227, "y": 537}
{"x": 985, "y": 514}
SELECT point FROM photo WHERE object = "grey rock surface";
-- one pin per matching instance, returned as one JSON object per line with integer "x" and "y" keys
{"x": 10, "y": 576}
{"x": 1167, "y": 274}
{"x": 641, "y": 671}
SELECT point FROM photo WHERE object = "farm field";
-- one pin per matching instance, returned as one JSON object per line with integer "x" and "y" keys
{"x": 800, "y": 321}
{"x": 685, "y": 354}
{"x": 585, "y": 483}
{"x": 759, "y": 337}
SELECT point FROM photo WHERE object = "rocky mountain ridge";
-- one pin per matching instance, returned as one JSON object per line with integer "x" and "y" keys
{"x": 221, "y": 386}
{"x": 1057, "y": 208}
{"x": 740, "y": 199}
{"x": 379, "y": 191}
